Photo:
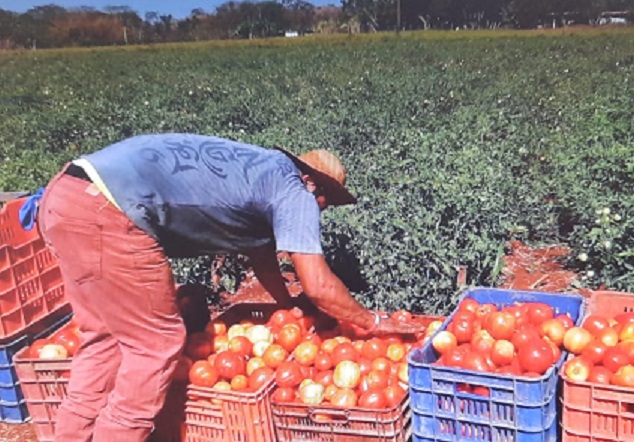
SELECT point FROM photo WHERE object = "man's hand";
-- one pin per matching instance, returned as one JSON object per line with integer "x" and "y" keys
{"x": 389, "y": 326}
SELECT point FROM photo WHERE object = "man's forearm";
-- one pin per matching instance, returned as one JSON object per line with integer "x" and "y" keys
{"x": 267, "y": 270}
{"x": 336, "y": 301}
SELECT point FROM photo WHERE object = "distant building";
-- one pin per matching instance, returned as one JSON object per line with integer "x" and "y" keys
{"x": 291, "y": 34}
{"x": 616, "y": 18}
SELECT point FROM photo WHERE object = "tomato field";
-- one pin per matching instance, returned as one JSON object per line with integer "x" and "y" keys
{"x": 455, "y": 142}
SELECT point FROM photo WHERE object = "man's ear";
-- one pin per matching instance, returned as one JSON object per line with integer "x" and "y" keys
{"x": 310, "y": 184}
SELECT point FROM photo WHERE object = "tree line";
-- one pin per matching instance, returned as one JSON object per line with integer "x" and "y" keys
{"x": 54, "y": 26}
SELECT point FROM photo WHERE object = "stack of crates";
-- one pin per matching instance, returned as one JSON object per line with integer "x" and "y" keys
{"x": 32, "y": 301}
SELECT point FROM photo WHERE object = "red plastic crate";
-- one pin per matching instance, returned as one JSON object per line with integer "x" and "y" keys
{"x": 231, "y": 416}
{"x": 44, "y": 385}
{"x": 323, "y": 423}
{"x": 326, "y": 423}
{"x": 31, "y": 286}
{"x": 595, "y": 412}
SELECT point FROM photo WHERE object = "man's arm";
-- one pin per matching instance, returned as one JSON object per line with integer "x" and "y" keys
{"x": 327, "y": 291}
{"x": 267, "y": 270}
{"x": 331, "y": 295}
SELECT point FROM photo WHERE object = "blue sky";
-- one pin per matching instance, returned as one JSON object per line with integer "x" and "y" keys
{"x": 178, "y": 8}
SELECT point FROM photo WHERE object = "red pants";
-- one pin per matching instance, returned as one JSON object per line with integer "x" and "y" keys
{"x": 121, "y": 289}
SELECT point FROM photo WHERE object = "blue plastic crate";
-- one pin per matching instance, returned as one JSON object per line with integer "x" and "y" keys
{"x": 12, "y": 405}
{"x": 518, "y": 409}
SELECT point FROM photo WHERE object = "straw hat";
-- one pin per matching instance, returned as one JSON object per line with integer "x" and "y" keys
{"x": 327, "y": 171}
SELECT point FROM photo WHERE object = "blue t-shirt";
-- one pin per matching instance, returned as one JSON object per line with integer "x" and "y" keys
{"x": 201, "y": 195}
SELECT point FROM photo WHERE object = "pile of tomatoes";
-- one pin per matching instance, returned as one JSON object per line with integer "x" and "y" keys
{"x": 243, "y": 356}
{"x": 339, "y": 368}
{"x": 310, "y": 364}
{"x": 60, "y": 345}
{"x": 603, "y": 349}
{"x": 523, "y": 339}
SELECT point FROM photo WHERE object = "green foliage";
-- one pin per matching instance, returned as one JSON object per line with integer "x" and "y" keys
{"x": 451, "y": 141}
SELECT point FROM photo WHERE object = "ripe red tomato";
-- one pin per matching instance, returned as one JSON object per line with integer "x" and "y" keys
{"x": 344, "y": 398}
{"x": 377, "y": 380}
{"x": 524, "y": 334}
{"x": 565, "y": 320}
{"x": 501, "y": 325}
{"x": 539, "y": 312}
{"x": 628, "y": 348}
{"x": 69, "y": 340}
{"x": 323, "y": 361}
{"x": 344, "y": 352}
{"x": 512, "y": 370}
{"x": 485, "y": 309}
{"x": 469, "y": 305}
{"x": 365, "y": 365}
{"x": 519, "y": 313}
{"x": 374, "y": 348}
{"x": 381, "y": 364}
{"x": 535, "y": 356}
{"x": 462, "y": 329}
{"x": 394, "y": 394}
{"x": 372, "y": 399}
{"x": 230, "y": 364}
{"x": 288, "y": 374}
{"x": 324, "y": 378}
{"x": 476, "y": 362}
{"x": 456, "y": 357}
{"x": 594, "y": 351}
{"x": 203, "y": 374}
{"x": 613, "y": 359}
{"x": 283, "y": 395}
{"x": 595, "y": 324}
{"x": 625, "y": 318}
{"x": 599, "y": 375}
{"x": 289, "y": 337}
{"x": 260, "y": 377}
{"x": 280, "y": 318}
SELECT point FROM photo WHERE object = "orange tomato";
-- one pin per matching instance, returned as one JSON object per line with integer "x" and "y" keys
{"x": 274, "y": 355}
{"x": 289, "y": 337}
{"x": 306, "y": 353}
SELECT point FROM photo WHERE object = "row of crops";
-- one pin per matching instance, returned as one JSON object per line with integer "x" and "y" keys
{"x": 454, "y": 142}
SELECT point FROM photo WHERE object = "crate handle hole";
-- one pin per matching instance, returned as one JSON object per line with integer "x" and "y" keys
{"x": 627, "y": 408}
{"x": 322, "y": 415}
